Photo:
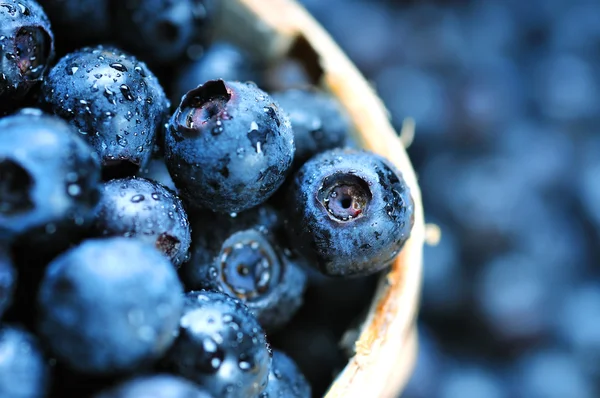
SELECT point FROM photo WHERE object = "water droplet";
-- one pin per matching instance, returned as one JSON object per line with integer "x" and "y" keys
{"x": 73, "y": 70}
{"x": 121, "y": 141}
{"x": 245, "y": 365}
{"x": 109, "y": 95}
{"x": 209, "y": 345}
{"x": 137, "y": 198}
{"x": 126, "y": 91}
{"x": 74, "y": 190}
{"x": 118, "y": 66}
{"x": 155, "y": 196}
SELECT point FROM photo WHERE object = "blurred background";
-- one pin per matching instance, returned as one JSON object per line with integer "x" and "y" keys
{"x": 505, "y": 95}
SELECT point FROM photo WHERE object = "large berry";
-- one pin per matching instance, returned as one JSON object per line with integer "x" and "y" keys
{"x": 239, "y": 256}
{"x": 228, "y": 146}
{"x": 161, "y": 31}
{"x": 155, "y": 386}
{"x": 148, "y": 211}
{"x": 349, "y": 212}
{"x": 285, "y": 379}
{"x": 23, "y": 370}
{"x": 221, "y": 346}
{"x": 318, "y": 121}
{"x": 110, "y": 305}
{"x": 115, "y": 102}
{"x": 26, "y": 48}
{"x": 49, "y": 177}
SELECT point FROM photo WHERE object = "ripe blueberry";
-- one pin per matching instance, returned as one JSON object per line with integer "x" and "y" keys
{"x": 114, "y": 101}
{"x": 228, "y": 147}
{"x": 26, "y": 49}
{"x": 221, "y": 346}
{"x": 110, "y": 305}
{"x": 349, "y": 212}
{"x": 49, "y": 177}
{"x": 239, "y": 256}
{"x": 148, "y": 211}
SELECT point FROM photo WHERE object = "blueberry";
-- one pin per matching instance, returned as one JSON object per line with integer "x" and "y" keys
{"x": 89, "y": 18}
{"x": 154, "y": 386}
{"x": 160, "y": 31}
{"x": 285, "y": 379}
{"x": 222, "y": 60}
{"x": 221, "y": 346}
{"x": 110, "y": 305}
{"x": 566, "y": 88}
{"x": 49, "y": 177}
{"x": 148, "y": 211}
{"x": 26, "y": 49}
{"x": 349, "y": 212}
{"x": 318, "y": 121}
{"x": 471, "y": 380}
{"x": 577, "y": 324}
{"x": 8, "y": 280}
{"x": 115, "y": 102}
{"x": 228, "y": 146}
{"x": 549, "y": 372}
{"x": 240, "y": 257}
{"x": 515, "y": 297}
{"x": 23, "y": 371}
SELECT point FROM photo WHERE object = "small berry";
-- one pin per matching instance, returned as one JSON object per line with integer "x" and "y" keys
{"x": 148, "y": 211}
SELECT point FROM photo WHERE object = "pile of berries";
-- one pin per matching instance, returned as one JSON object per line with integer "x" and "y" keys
{"x": 182, "y": 247}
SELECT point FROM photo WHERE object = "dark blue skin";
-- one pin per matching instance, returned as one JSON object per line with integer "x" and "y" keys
{"x": 222, "y": 60}
{"x": 26, "y": 49}
{"x": 114, "y": 101}
{"x": 155, "y": 386}
{"x": 221, "y": 346}
{"x": 145, "y": 210}
{"x": 49, "y": 177}
{"x": 228, "y": 146}
{"x": 318, "y": 121}
{"x": 8, "y": 280}
{"x": 109, "y": 306}
{"x": 239, "y": 257}
{"x": 160, "y": 31}
{"x": 285, "y": 379}
{"x": 348, "y": 212}
{"x": 89, "y": 18}
{"x": 23, "y": 369}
